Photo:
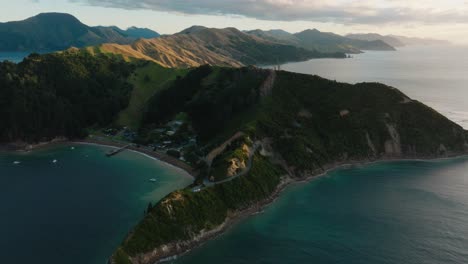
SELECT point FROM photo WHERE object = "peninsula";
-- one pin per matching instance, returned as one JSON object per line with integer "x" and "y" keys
{"x": 247, "y": 131}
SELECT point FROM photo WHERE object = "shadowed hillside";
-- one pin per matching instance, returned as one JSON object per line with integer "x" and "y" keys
{"x": 57, "y": 31}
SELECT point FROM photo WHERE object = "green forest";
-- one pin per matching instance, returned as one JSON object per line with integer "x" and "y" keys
{"x": 61, "y": 94}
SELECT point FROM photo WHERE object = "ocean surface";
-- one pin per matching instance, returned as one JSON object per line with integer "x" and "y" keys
{"x": 409, "y": 212}
{"x": 434, "y": 75}
{"x": 78, "y": 209}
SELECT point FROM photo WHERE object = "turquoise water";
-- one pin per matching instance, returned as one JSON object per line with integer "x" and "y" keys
{"x": 408, "y": 212}
{"x": 434, "y": 75}
{"x": 77, "y": 210}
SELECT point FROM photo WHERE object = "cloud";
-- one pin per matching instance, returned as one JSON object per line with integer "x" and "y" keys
{"x": 336, "y": 11}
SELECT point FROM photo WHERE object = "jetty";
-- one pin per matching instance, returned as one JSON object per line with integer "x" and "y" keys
{"x": 118, "y": 150}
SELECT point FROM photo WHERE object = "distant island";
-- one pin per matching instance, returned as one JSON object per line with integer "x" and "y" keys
{"x": 313, "y": 39}
{"x": 247, "y": 132}
{"x": 398, "y": 41}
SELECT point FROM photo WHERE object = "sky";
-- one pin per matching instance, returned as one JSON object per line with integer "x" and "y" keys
{"x": 441, "y": 19}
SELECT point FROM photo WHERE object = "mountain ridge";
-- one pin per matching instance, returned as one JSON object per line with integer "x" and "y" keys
{"x": 199, "y": 45}
{"x": 398, "y": 41}
{"x": 59, "y": 31}
{"x": 313, "y": 39}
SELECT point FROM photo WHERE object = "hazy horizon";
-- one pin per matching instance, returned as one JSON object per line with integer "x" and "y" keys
{"x": 444, "y": 21}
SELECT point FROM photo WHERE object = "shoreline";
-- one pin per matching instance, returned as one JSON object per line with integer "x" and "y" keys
{"x": 151, "y": 154}
{"x": 173, "y": 251}
{"x": 157, "y": 156}
{"x": 22, "y": 147}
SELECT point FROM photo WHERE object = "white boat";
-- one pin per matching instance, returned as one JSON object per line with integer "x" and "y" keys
{"x": 16, "y": 162}
{"x": 72, "y": 148}
{"x": 54, "y": 161}
{"x": 152, "y": 180}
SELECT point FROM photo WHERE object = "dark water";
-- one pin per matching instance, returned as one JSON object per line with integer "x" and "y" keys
{"x": 75, "y": 211}
{"x": 402, "y": 212}
{"x": 434, "y": 75}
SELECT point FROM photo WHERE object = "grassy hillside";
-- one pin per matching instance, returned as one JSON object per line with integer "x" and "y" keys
{"x": 197, "y": 46}
{"x": 171, "y": 51}
{"x": 147, "y": 80}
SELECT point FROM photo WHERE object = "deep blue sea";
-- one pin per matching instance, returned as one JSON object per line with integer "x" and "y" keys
{"x": 409, "y": 212}
{"x": 77, "y": 210}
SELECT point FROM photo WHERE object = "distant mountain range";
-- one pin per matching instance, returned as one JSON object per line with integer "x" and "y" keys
{"x": 199, "y": 45}
{"x": 312, "y": 39}
{"x": 397, "y": 41}
{"x": 57, "y": 31}
{"x": 193, "y": 46}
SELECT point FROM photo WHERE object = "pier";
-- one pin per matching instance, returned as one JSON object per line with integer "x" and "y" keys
{"x": 117, "y": 151}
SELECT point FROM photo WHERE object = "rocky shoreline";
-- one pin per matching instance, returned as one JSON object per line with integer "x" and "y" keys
{"x": 172, "y": 251}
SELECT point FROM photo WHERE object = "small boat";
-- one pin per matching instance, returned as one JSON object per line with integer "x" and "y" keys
{"x": 16, "y": 162}
{"x": 54, "y": 161}
{"x": 72, "y": 148}
{"x": 152, "y": 180}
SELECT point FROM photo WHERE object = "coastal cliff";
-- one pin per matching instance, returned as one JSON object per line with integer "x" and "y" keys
{"x": 306, "y": 126}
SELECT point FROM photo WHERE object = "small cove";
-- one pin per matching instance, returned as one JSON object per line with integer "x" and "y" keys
{"x": 78, "y": 209}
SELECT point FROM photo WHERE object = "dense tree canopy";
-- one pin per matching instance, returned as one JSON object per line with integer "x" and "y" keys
{"x": 211, "y": 96}
{"x": 60, "y": 94}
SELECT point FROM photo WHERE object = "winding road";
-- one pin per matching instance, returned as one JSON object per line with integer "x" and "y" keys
{"x": 245, "y": 171}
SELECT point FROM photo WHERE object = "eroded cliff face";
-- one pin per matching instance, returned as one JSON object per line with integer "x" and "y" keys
{"x": 393, "y": 145}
